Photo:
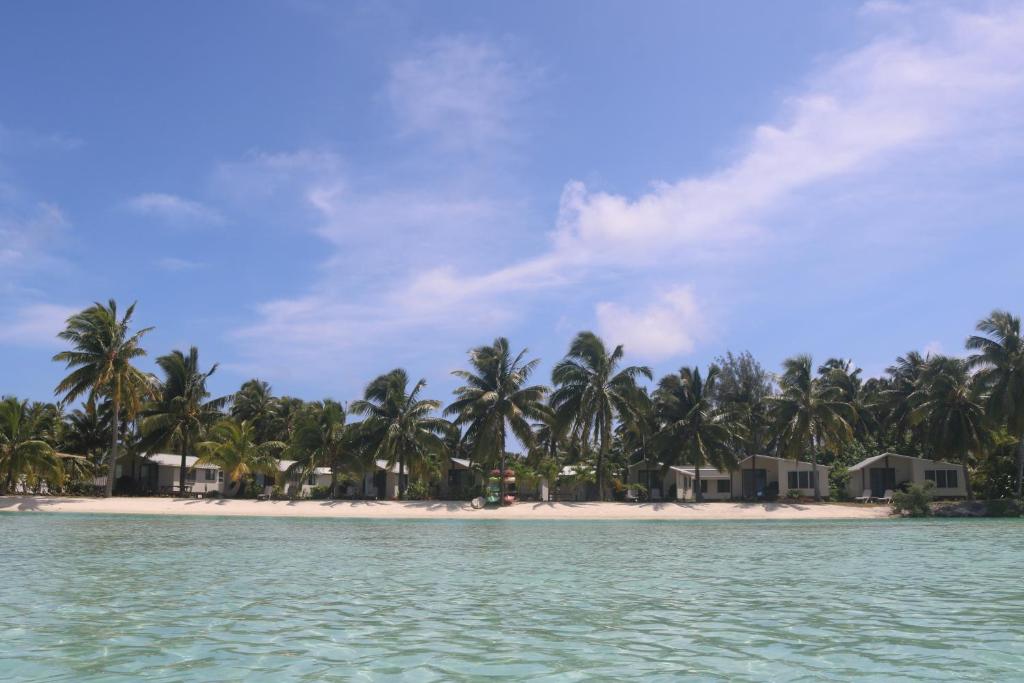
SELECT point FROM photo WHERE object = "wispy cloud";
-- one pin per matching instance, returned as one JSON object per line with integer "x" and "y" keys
{"x": 461, "y": 90}
{"x": 35, "y": 324}
{"x": 27, "y": 235}
{"x": 902, "y": 98}
{"x": 173, "y": 209}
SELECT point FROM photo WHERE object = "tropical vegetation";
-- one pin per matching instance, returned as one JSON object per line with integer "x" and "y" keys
{"x": 598, "y": 415}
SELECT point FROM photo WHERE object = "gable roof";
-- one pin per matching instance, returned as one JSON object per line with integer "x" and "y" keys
{"x": 283, "y": 465}
{"x": 705, "y": 472}
{"x": 881, "y": 456}
{"x": 172, "y": 460}
{"x": 772, "y": 457}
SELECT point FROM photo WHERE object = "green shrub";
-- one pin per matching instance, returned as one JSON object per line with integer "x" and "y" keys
{"x": 838, "y": 478}
{"x": 319, "y": 492}
{"x": 417, "y": 490}
{"x": 915, "y": 502}
{"x": 794, "y": 494}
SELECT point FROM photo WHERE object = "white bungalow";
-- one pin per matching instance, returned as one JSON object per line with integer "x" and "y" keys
{"x": 383, "y": 482}
{"x": 459, "y": 478}
{"x": 320, "y": 477}
{"x": 714, "y": 483}
{"x": 161, "y": 472}
{"x": 765, "y": 476}
{"x": 892, "y": 471}
{"x": 575, "y": 483}
{"x": 680, "y": 482}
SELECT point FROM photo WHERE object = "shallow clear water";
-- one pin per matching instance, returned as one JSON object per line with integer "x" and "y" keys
{"x": 91, "y": 598}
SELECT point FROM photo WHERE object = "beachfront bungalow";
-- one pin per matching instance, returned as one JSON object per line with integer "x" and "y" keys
{"x": 651, "y": 475}
{"x": 680, "y": 482}
{"x": 765, "y": 476}
{"x": 460, "y": 479}
{"x": 714, "y": 483}
{"x": 382, "y": 483}
{"x": 575, "y": 483}
{"x": 160, "y": 473}
{"x": 892, "y": 472}
{"x": 320, "y": 478}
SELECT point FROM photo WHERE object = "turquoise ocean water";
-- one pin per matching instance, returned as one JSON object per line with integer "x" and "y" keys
{"x": 122, "y": 598}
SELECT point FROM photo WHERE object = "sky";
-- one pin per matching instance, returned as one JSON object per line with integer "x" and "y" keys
{"x": 314, "y": 193}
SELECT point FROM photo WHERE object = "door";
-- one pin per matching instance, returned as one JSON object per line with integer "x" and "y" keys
{"x": 754, "y": 483}
{"x": 882, "y": 479}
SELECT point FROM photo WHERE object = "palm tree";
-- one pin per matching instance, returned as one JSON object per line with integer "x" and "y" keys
{"x": 591, "y": 391}
{"x": 233, "y": 447}
{"x": 24, "y": 450}
{"x": 693, "y": 430}
{"x": 321, "y": 440}
{"x": 102, "y": 355}
{"x": 1000, "y": 372}
{"x": 85, "y": 429}
{"x": 182, "y": 412}
{"x": 255, "y": 403}
{"x": 845, "y": 376}
{"x": 495, "y": 399}
{"x": 399, "y": 427}
{"x": 897, "y": 402}
{"x": 947, "y": 406}
{"x": 809, "y": 415}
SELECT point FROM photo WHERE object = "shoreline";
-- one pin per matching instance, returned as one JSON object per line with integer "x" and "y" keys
{"x": 369, "y": 509}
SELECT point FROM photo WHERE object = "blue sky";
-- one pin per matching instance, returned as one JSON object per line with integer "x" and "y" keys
{"x": 314, "y": 192}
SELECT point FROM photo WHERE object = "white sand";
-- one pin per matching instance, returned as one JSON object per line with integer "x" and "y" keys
{"x": 443, "y": 509}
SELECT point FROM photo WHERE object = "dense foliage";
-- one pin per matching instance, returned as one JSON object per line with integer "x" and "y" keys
{"x": 597, "y": 418}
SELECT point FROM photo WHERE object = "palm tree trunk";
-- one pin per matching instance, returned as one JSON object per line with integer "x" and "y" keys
{"x": 401, "y": 472}
{"x": 967, "y": 479}
{"x": 696, "y": 482}
{"x": 334, "y": 479}
{"x": 1020, "y": 465}
{"x": 501, "y": 468}
{"x": 814, "y": 475}
{"x": 181, "y": 473}
{"x": 112, "y": 467}
{"x": 753, "y": 477}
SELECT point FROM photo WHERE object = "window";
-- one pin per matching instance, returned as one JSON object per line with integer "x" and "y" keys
{"x": 220, "y": 476}
{"x": 801, "y": 480}
{"x": 211, "y": 475}
{"x": 724, "y": 486}
{"x": 311, "y": 480}
{"x": 944, "y": 479}
{"x": 190, "y": 476}
{"x": 703, "y": 485}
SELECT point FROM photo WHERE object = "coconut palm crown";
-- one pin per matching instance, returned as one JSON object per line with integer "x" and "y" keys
{"x": 103, "y": 349}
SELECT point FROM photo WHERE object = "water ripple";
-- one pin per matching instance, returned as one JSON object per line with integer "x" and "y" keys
{"x": 94, "y": 598}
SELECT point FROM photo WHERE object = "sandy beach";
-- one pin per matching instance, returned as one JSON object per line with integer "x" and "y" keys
{"x": 443, "y": 509}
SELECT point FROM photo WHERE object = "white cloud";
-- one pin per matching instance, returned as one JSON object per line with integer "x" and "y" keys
{"x": 173, "y": 209}
{"x": 948, "y": 80}
{"x": 26, "y": 236}
{"x": 463, "y": 91}
{"x": 670, "y": 326}
{"x": 35, "y": 324}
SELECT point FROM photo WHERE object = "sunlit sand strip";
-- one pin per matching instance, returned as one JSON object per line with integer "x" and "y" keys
{"x": 444, "y": 509}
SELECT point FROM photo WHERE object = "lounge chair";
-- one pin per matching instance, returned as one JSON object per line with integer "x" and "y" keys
{"x": 865, "y": 497}
{"x": 886, "y": 497}
{"x": 632, "y": 496}
{"x": 267, "y": 491}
